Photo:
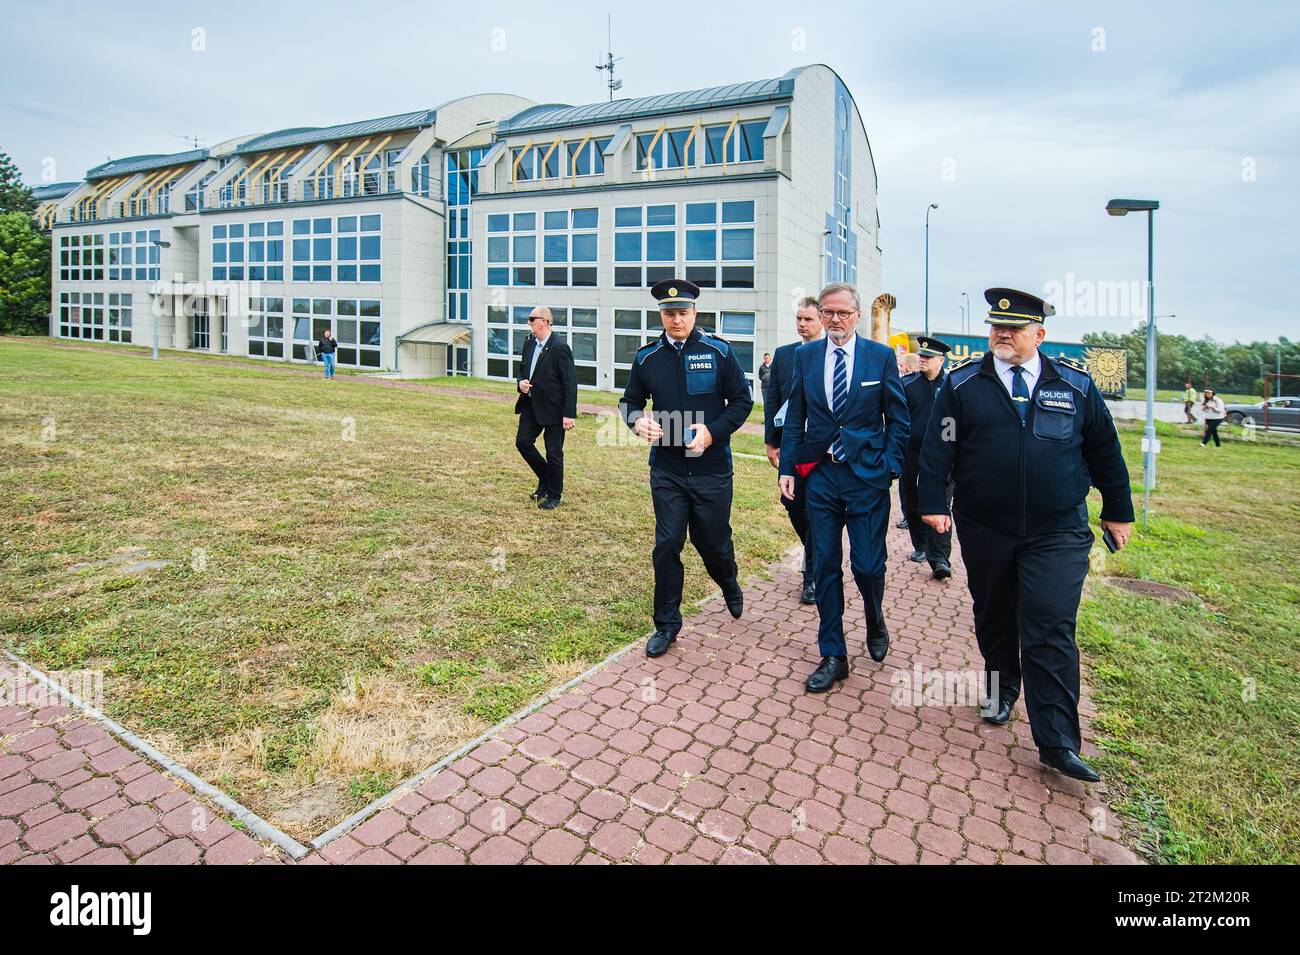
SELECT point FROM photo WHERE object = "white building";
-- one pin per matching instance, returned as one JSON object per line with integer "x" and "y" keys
{"x": 424, "y": 239}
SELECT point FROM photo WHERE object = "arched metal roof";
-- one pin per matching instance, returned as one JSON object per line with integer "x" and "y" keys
{"x": 53, "y": 190}
{"x": 558, "y": 115}
{"x": 133, "y": 164}
{"x": 301, "y": 136}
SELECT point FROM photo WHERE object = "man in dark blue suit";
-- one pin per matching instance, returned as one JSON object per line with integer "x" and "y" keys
{"x": 808, "y": 323}
{"x": 846, "y": 428}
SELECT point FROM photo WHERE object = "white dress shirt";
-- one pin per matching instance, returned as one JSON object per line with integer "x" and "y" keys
{"x": 850, "y": 347}
{"x": 537, "y": 353}
{"x": 1032, "y": 368}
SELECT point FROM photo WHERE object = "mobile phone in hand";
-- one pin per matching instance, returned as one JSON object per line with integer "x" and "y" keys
{"x": 1108, "y": 539}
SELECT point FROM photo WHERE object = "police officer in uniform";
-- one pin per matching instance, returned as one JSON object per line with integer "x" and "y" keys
{"x": 1026, "y": 437}
{"x": 920, "y": 387}
{"x": 700, "y": 397}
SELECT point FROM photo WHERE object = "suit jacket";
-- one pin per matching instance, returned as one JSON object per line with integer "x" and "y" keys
{"x": 874, "y": 426}
{"x": 777, "y": 391}
{"x": 554, "y": 394}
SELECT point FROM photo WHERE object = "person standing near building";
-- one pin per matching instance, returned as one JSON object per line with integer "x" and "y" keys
{"x": 808, "y": 324}
{"x": 547, "y": 405}
{"x": 921, "y": 389}
{"x": 1189, "y": 399}
{"x": 1213, "y": 412}
{"x": 700, "y": 397}
{"x": 326, "y": 347}
{"x": 764, "y": 371}
{"x": 845, "y": 431}
{"x": 1023, "y": 436}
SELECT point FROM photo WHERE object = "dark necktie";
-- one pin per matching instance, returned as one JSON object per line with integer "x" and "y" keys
{"x": 839, "y": 398}
{"x": 1019, "y": 391}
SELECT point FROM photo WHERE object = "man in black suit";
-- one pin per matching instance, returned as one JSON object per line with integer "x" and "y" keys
{"x": 808, "y": 323}
{"x": 547, "y": 404}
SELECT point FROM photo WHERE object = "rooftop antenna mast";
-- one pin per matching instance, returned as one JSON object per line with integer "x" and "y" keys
{"x": 613, "y": 84}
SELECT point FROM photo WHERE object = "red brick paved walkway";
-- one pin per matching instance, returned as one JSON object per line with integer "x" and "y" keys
{"x": 712, "y": 753}
{"x": 71, "y": 792}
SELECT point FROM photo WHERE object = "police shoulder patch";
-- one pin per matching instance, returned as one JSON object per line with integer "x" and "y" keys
{"x": 962, "y": 363}
{"x": 910, "y": 377}
{"x": 1073, "y": 363}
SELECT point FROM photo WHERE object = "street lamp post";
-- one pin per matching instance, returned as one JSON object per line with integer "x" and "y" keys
{"x": 1122, "y": 207}
{"x": 965, "y": 329}
{"x": 933, "y": 205}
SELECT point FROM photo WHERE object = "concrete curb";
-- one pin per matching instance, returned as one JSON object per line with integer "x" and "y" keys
{"x": 255, "y": 823}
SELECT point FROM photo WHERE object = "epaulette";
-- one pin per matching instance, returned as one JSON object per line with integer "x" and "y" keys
{"x": 716, "y": 341}
{"x": 645, "y": 351}
{"x": 963, "y": 371}
{"x": 910, "y": 377}
{"x": 1075, "y": 372}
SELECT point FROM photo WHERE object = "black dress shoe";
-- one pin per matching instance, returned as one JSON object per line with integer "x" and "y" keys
{"x": 735, "y": 601}
{"x": 901, "y": 524}
{"x": 540, "y": 493}
{"x": 549, "y": 503}
{"x": 659, "y": 643}
{"x": 831, "y": 671}
{"x": 998, "y": 715}
{"x": 1068, "y": 763}
{"x": 809, "y": 594}
{"x": 917, "y": 556}
{"x": 942, "y": 570}
{"x": 878, "y": 644}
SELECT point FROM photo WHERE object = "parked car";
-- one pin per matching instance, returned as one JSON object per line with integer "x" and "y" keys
{"x": 1282, "y": 413}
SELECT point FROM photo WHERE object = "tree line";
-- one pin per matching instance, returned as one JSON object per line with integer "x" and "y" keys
{"x": 24, "y": 258}
{"x": 1238, "y": 368}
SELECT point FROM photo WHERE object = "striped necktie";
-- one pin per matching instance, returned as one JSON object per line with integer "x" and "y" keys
{"x": 840, "y": 398}
{"x": 1019, "y": 391}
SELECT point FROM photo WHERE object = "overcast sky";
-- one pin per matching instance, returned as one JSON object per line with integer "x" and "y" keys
{"x": 1019, "y": 119}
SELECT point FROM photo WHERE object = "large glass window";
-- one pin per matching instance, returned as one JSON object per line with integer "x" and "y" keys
{"x": 720, "y": 244}
{"x": 81, "y": 315}
{"x": 743, "y": 143}
{"x": 248, "y": 250}
{"x": 507, "y": 331}
{"x": 119, "y": 317}
{"x": 266, "y": 327}
{"x": 81, "y": 257}
{"x": 345, "y": 249}
{"x": 645, "y": 244}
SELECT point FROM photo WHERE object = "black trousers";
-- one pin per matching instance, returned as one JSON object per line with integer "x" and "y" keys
{"x": 798, "y": 511}
{"x": 1212, "y": 431}
{"x": 1026, "y": 592}
{"x": 700, "y": 504}
{"x": 549, "y": 469}
{"x": 924, "y": 537}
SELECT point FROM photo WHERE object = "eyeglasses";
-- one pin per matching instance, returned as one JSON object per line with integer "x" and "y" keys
{"x": 832, "y": 313}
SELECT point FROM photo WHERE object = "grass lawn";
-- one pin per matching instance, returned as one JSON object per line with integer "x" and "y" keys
{"x": 1171, "y": 394}
{"x": 1199, "y": 701}
{"x": 357, "y": 581}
